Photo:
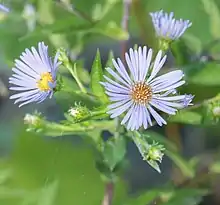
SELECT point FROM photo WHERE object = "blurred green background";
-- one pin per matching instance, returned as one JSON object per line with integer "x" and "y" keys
{"x": 39, "y": 170}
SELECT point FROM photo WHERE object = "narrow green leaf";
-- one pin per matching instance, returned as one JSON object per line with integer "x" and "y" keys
{"x": 109, "y": 62}
{"x": 97, "y": 77}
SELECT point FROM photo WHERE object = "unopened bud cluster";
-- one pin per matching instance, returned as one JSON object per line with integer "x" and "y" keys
{"x": 155, "y": 152}
{"x": 63, "y": 56}
{"x": 79, "y": 113}
{"x": 33, "y": 121}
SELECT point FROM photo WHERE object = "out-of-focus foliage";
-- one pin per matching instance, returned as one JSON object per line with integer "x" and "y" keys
{"x": 54, "y": 171}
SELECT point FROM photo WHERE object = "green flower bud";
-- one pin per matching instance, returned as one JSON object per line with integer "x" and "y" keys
{"x": 34, "y": 121}
{"x": 79, "y": 113}
{"x": 63, "y": 56}
{"x": 155, "y": 153}
{"x": 216, "y": 111}
{"x": 164, "y": 44}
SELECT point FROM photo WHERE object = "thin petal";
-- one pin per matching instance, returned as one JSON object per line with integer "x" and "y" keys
{"x": 118, "y": 111}
{"x": 160, "y": 121}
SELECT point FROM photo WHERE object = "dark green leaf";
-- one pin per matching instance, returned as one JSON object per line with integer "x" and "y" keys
{"x": 114, "y": 151}
{"x": 97, "y": 77}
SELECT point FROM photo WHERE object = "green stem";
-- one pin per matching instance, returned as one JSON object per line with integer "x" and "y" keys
{"x": 75, "y": 76}
{"x": 53, "y": 129}
{"x": 99, "y": 112}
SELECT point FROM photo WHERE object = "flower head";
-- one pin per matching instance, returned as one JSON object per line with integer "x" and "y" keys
{"x": 167, "y": 27}
{"x": 34, "y": 76}
{"x": 139, "y": 93}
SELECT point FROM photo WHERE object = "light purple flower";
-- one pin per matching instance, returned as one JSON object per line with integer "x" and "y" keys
{"x": 139, "y": 93}
{"x": 4, "y": 8}
{"x": 167, "y": 27}
{"x": 34, "y": 75}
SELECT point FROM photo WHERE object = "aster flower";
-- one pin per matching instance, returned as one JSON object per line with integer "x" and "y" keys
{"x": 3, "y": 8}
{"x": 167, "y": 27}
{"x": 139, "y": 94}
{"x": 34, "y": 75}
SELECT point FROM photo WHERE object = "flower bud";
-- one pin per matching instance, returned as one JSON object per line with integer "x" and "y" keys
{"x": 155, "y": 153}
{"x": 216, "y": 111}
{"x": 164, "y": 44}
{"x": 34, "y": 121}
{"x": 79, "y": 113}
{"x": 63, "y": 56}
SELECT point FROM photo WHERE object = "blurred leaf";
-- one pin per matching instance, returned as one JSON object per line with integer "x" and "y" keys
{"x": 114, "y": 151}
{"x": 181, "y": 52}
{"x": 39, "y": 163}
{"x": 48, "y": 194}
{"x": 45, "y": 11}
{"x": 97, "y": 77}
{"x": 212, "y": 10}
{"x": 185, "y": 167}
{"x": 208, "y": 74}
{"x": 185, "y": 196}
{"x": 215, "y": 167}
{"x": 111, "y": 30}
{"x": 144, "y": 197}
{"x": 100, "y": 11}
{"x": 186, "y": 117}
{"x": 4, "y": 175}
{"x": 192, "y": 42}
{"x": 168, "y": 196}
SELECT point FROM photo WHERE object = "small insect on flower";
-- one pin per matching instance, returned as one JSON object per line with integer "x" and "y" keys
{"x": 167, "y": 27}
{"x": 34, "y": 75}
{"x": 140, "y": 93}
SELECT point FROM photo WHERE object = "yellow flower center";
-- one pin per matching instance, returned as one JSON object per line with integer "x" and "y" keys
{"x": 43, "y": 83}
{"x": 141, "y": 93}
